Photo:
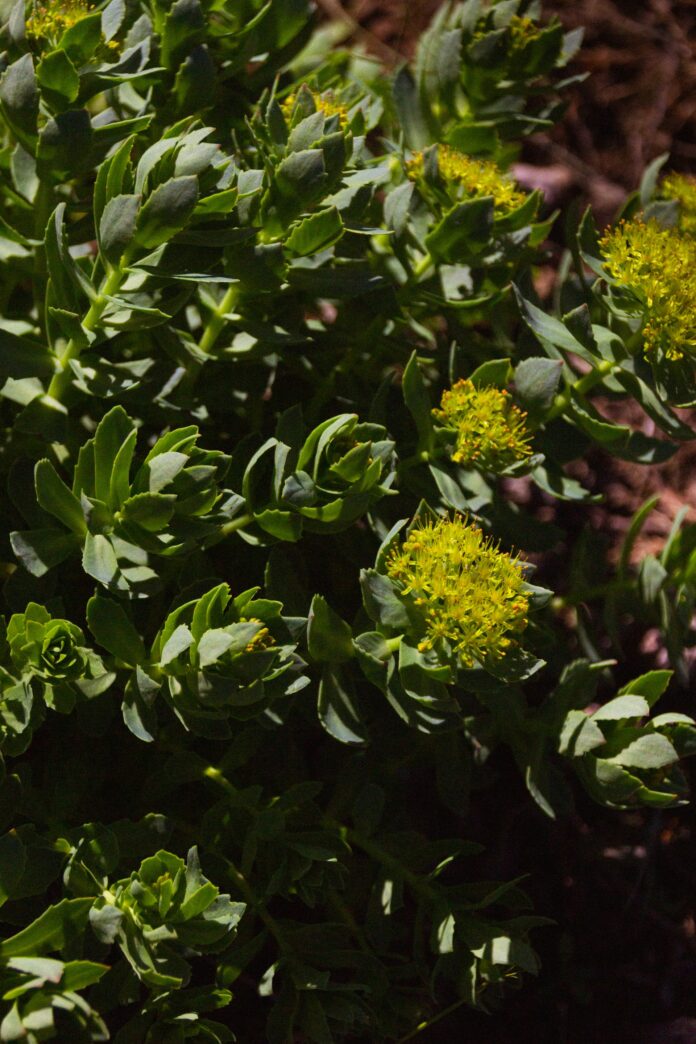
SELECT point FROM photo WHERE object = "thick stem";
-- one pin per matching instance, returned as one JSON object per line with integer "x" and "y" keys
{"x": 431, "y": 1022}
{"x": 237, "y": 523}
{"x": 394, "y": 644}
{"x": 585, "y": 384}
{"x": 216, "y": 322}
{"x": 211, "y": 331}
{"x": 111, "y": 285}
{"x": 213, "y": 773}
{"x": 423, "y": 266}
{"x": 417, "y": 884}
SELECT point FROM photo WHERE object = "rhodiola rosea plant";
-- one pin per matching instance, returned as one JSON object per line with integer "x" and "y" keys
{"x": 271, "y": 355}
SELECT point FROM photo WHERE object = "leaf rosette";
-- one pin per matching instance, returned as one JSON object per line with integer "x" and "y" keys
{"x": 225, "y": 657}
{"x": 52, "y": 653}
{"x": 322, "y": 482}
{"x": 624, "y": 756}
{"x": 172, "y": 504}
{"x": 163, "y": 913}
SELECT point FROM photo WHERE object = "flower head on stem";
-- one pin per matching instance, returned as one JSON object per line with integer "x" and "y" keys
{"x": 658, "y": 266}
{"x": 48, "y": 21}
{"x": 682, "y": 188}
{"x": 476, "y": 178}
{"x": 491, "y": 432}
{"x": 469, "y": 594}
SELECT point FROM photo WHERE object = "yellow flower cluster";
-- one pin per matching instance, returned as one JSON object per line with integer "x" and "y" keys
{"x": 477, "y": 177}
{"x": 522, "y": 30}
{"x": 469, "y": 593}
{"x": 263, "y": 639}
{"x": 491, "y": 430}
{"x": 325, "y": 103}
{"x": 682, "y": 187}
{"x": 658, "y": 266}
{"x": 49, "y": 21}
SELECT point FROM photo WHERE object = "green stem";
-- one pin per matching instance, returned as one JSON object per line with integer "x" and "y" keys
{"x": 423, "y": 266}
{"x": 413, "y": 461}
{"x": 213, "y": 328}
{"x": 417, "y": 884}
{"x": 580, "y": 387}
{"x": 237, "y": 523}
{"x": 111, "y": 285}
{"x": 394, "y": 644}
{"x": 211, "y": 331}
{"x": 255, "y": 904}
{"x": 213, "y": 773}
{"x": 431, "y": 1022}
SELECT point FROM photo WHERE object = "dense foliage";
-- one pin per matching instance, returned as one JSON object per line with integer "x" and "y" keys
{"x": 273, "y": 366}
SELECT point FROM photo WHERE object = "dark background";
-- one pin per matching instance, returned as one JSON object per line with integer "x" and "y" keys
{"x": 621, "y": 964}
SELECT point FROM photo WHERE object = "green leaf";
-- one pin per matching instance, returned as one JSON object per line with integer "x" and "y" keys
{"x": 622, "y": 707}
{"x": 70, "y": 285}
{"x": 410, "y": 107}
{"x": 178, "y": 642}
{"x": 99, "y": 559}
{"x": 81, "y": 40}
{"x": 550, "y": 330}
{"x": 40, "y": 549}
{"x": 495, "y": 372}
{"x": 112, "y": 178}
{"x": 418, "y": 402}
{"x": 114, "y": 631}
{"x": 112, "y": 18}
{"x": 113, "y": 432}
{"x": 579, "y": 735}
{"x": 57, "y": 74}
{"x": 78, "y": 975}
{"x": 300, "y": 178}
{"x": 651, "y": 686}
{"x": 19, "y": 97}
{"x": 51, "y": 931}
{"x": 463, "y": 232}
{"x": 55, "y": 497}
{"x": 21, "y": 358}
{"x": 653, "y": 751}
{"x": 117, "y": 226}
{"x": 65, "y": 142}
{"x": 651, "y": 174}
{"x": 315, "y": 233}
{"x": 152, "y": 511}
{"x": 329, "y": 638}
{"x": 337, "y": 708}
{"x": 183, "y": 28}
{"x": 536, "y": 382}
{"x": 381, "y": 602}
{"x": 283, "y": 525}
{"x": 397, "y": 206}
{"x": 167, "y": 211}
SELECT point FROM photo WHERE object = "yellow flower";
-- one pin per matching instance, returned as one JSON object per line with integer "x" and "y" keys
{"x": 468, "y": 593}
{"x": 50, "y": 20}
{"x": 658, "y": 266}
{"x": 682, "y": 187}
{"x": 522, "y": 30}
{"x": 263, "y": 639}
{"x": 476, "y": 177}
{"x": 491, "y": 430}
{"x": 325, "y": 103}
